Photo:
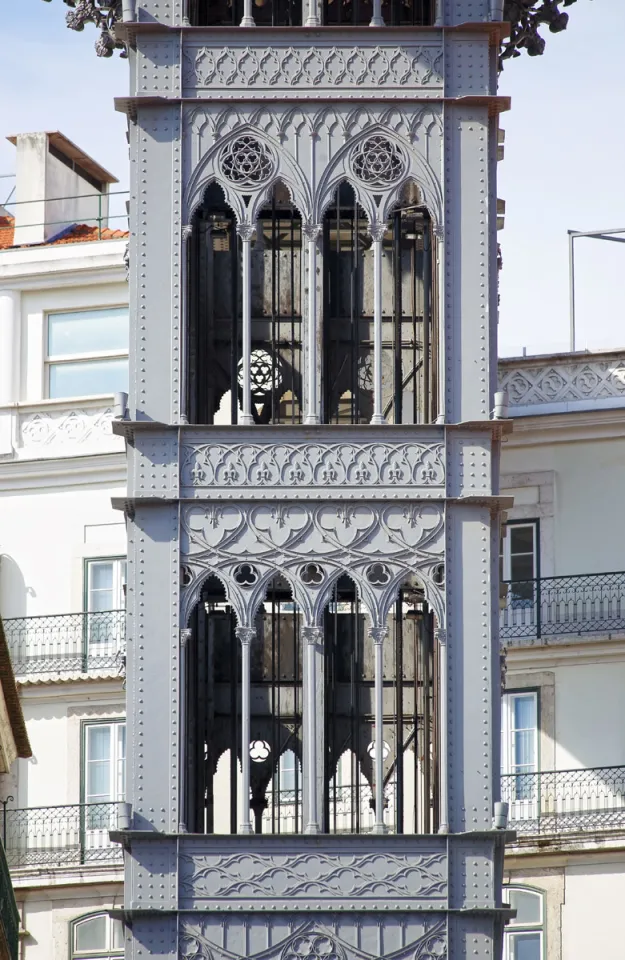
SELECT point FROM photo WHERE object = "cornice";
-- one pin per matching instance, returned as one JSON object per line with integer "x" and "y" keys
{"x": 566, "y": 427}
{"x": 560, "y": 850}
{"x": 578, "y": 651}
{"x": 101, "y": 470}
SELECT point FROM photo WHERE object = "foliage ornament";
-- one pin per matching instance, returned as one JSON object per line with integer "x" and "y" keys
{"x": 104, "y": 14}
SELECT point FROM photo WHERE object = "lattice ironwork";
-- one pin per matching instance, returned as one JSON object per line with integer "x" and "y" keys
{"x": 67, "y": 643}
{"x": 76, "y": 833}
{"x": 565, "y": 801}
{"x": 378, "y": 162}
{"x": 560, "y": 606}
{"x": 9, "y": 916}
{"x": 246, "y": 162}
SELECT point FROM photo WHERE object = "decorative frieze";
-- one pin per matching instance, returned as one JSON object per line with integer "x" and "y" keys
{"x": 562, "y": 384}
{"x": 351, "y": 470}
{"x": 226, "y": 69}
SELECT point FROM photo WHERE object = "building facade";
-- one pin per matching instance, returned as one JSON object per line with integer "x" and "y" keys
{"x": 312, "y": 507}
{"x": 63, "y": 351}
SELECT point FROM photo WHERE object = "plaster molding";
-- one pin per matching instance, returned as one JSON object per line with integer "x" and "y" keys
{"x": 558, "y": 386}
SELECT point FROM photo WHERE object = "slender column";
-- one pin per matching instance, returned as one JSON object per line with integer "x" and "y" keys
{"x": 9, "y": 339}
{"x": 312, "y": 18}
{"x": 377, "y": 231}
{"x": 378, "y": 635}
{"x": 313, "y": 638}
{"x": 443, "y": 826}
{"x": 376, "y": 19}
{"x": 246, "y": 232}
{"x": 248, "y": 19}
{"x": 245, "y": 635}
{"x": 312, "y": 232}
{"x": 438, "y": 13}
{"x": 187, "y": 231}
{"x": 439, "y": 233}
{"x": 185, "y": 636}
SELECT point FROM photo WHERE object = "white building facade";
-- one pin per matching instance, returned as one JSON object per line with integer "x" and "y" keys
{"x": 64, "y": 350}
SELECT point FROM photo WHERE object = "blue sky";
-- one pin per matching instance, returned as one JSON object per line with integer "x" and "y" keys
{"x": 564, "y": 165}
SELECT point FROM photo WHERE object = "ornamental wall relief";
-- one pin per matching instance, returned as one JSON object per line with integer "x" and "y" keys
{"x": 246, "y": 544}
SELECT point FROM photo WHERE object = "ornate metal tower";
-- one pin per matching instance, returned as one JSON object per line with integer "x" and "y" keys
{"x": 313, "y": 510}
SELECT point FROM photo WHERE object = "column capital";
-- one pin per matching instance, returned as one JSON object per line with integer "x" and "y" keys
{"x": 246, "y": 230}
{"x": 312, "y": 231}
{"x": 185, "y": 636}
{"x": 378, "y": 635}
{"x": 312, "y": 635}
{"x": 377, "y": 229}
{"x": 245, "y": 635}
{"x": 439, "y": 231}
{"x": 187, "y": 231}
{"x": 440, "y": 634}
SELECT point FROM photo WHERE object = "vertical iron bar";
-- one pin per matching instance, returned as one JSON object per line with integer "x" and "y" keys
{"x": 234, "y": 737}
{"x": 427, "y": 312}
{"x": 233, "y": 246}
{"x": 399, "y": 714}
{"x": 397, "y": 276}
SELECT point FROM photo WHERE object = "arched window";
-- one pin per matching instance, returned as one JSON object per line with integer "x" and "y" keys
{"x": 96, "y": 937}
{"x": 524, "y": 936}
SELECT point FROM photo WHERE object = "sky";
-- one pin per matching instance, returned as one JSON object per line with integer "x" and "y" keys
{"x": 564, "y": 165}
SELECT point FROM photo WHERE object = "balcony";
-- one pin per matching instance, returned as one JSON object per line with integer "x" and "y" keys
{"x": 69, "y": 643}
{"x": 60, "y": 836}
{"x": 9, "y": 916}
{"x": 559, "y": 607}
{"x": 565, "y": 801}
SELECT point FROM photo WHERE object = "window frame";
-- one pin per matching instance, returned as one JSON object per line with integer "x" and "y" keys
{"x": 49, "y": 362}
{"x": 513, "y": 928}
{"x": 109, "y": 953}
{"x": 506, "y": 766}
{"x": 85, "y": 725}
{"x": 505, "y": 547}
{"x": 118, "y": 558}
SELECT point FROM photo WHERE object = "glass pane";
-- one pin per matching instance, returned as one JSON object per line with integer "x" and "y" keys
{"x": 88, "y": 378}
{"x": 99, "y": 782}
{"x": 91, "y": 934}
{"x": 522, "y": 567}
{"x": 525, "y": 946}
{"x": 521, "y": 539}
{"x": 98, "y": 743}
{"x": 87, "y": 331}
{"x": 117, "y": 937}
{"x": 524, "y": 713}
{"x": 101, "y": 576}
{"x": 527, "y": 906}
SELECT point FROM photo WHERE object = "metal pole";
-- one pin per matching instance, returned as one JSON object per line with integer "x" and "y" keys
{"x": 377, "y": 231}
{"x": 313, "y": 638}
{"x": 571, "y": 292}
{"x": 245, "y": 635}
{"x": 246, "y": 232}
{"x": 378, "y": 635}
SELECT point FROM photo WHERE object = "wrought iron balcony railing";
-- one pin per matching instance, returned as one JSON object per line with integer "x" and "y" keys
{"x": 565, "y": 801}
{"x": 9, "y": 916}
{"x": 55, "y": 836}
{"x": 67, "y": 643}
{"x": 560, "y": 606}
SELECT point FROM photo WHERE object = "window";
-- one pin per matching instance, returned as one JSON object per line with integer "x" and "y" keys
{"x": 519, "y": 751}
{"x": 106, "y": 580}
{"x": 523, "y": 937}
{"x": 97, "y": 937}
{"x": 519, "y": 561}
{"x": 105, "y": 762}
{"x": 87, "y": 352}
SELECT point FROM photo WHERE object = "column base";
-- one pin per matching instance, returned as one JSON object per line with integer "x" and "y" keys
{"x": 311, "y": 419}
{"x": 247, "y": 22}
{"x": 380, "y": 829}
{"x": 377, "y": 22}
{"x": 246, "y": 828}
{"x": 312, "y": 22}
{"x": 378, "y": 420}
{"x": 246, "y": 420}
{"x": 443, "y": 828}
{"x": 311, "y": 828}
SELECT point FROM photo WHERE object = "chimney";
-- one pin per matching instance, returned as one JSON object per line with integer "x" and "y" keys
{"x": 57, "y": 186}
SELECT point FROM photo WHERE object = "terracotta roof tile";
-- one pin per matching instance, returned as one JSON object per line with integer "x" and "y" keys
{"x": 79, "y": 233}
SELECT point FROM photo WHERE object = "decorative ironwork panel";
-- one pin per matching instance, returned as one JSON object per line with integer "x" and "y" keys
{"x": 331, "y": 70}
{"x": 346, "y": 469}
{"x": 329, "y": 875}
{"x": 77, "y": 833}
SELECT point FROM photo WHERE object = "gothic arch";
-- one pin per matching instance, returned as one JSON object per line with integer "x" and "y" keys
{"x": 257, "y": 162}
{"x": 409, "y": 164}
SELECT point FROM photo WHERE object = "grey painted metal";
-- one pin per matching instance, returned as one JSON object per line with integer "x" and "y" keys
{"x": 420, "y": 501}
